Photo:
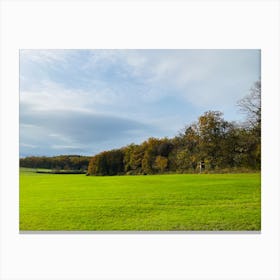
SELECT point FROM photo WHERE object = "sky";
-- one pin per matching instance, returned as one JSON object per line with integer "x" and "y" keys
{"x": 86, "y": 101}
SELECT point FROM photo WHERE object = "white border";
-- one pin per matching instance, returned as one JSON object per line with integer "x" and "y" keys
{"x": 156, "y": 24}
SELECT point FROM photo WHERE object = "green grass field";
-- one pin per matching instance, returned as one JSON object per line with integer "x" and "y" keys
{"x": 158, "y": 202}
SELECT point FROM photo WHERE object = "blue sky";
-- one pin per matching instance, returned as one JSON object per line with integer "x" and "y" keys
{"x": 87, "y": 101}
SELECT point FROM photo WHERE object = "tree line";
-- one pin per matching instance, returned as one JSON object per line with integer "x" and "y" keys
{"x": 57, "y": 163}
{"x": 211, "y": 140}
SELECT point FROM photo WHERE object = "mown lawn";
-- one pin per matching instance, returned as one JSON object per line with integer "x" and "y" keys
{"x": 158, "y": 202}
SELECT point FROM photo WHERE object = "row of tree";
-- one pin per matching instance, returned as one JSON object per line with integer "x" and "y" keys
{"x": 217, "y": 143}
{"x": 62, "y": 162}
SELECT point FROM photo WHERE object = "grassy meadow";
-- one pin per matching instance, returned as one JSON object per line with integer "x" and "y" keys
{"x": 140, "y": 203}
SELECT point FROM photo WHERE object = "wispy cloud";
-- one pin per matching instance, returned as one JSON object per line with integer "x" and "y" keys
{"x": 45, "y": 57}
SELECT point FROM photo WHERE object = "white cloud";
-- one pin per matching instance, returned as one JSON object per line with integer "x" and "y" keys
{"x": 146, "y": 76}
{"x": 49, "y": 96}
{"x": 58, "y": 147}
{"x": 45, "y": 56}
{"x": 202, "y": 78}
{"x": 28, "y": 145}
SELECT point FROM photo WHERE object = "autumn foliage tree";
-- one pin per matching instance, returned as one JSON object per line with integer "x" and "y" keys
{"x": 161, "y": 163}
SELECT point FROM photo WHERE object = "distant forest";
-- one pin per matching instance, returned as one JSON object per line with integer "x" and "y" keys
{"x": 210, "y": 144}
{"x": 57, "y": 163}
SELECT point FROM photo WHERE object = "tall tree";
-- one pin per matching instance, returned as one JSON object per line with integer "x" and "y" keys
{"x": 212, "y": 130}
{"x": 250, "y": 105}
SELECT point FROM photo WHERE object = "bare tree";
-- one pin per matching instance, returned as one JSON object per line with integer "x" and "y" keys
{"x": 251, "y": 105}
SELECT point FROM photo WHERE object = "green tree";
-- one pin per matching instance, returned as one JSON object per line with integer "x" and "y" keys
{"x": 212, "y": 131}
{"x": 133, "y": 156}
{"x": 150, "y": 152}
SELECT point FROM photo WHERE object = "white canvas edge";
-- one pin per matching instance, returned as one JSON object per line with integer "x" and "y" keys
{"x": 159, "y": 24}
